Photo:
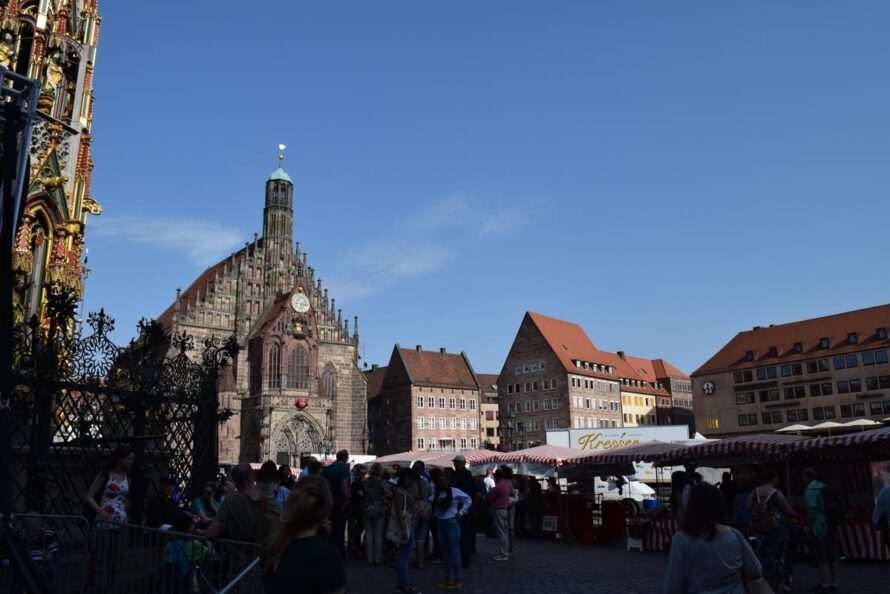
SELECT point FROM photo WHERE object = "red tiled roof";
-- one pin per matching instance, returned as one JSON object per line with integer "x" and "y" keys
{"x": 645, "y": 371}
{"x": 487, "y": 381}
{"x": 569, "y": 343}
{"x": 663, "y": 369}
{"x": 271, "y": 314}
{"x": 836, "y": 328}
{"x": 205, "y": 280}
{"x": 441, "y": 370}
{"x": 374, "y": 379}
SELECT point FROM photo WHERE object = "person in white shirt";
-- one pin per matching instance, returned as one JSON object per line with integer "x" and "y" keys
{"x": 489, "y": 480}
{"x": 449, "y": 506}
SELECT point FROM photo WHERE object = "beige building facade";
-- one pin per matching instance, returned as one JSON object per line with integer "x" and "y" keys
{"x": 833, "y": 368}
{"x": 488, "y": 411}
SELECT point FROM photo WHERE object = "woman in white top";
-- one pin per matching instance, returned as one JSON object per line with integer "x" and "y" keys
{"x": 449, "y": 506}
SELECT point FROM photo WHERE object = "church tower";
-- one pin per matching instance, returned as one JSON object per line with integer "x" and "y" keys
{"x": 278, "y": 224}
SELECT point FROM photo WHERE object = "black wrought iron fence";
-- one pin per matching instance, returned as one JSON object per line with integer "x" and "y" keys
{"x": 78, "y": 397}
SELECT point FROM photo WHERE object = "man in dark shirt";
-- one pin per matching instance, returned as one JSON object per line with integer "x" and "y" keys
{"x": 338, "y": 477}
{"x": 463, "y": 480}
{"x": 682, "y": 482}
{"x": 162, "y": 510}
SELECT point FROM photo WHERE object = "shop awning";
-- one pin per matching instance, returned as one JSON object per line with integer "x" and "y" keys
{"x": 650, "y": 451}
{"x": 875, "y": 444}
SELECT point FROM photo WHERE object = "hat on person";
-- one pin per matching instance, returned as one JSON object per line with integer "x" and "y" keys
{"x": 460, "y": 458}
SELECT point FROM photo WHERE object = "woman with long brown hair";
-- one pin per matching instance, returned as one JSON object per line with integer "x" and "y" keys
{"x": 296, "y": 555}
{"x": 109, "y": 494}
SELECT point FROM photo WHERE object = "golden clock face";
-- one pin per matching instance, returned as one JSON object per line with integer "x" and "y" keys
{"x": 299, "y": 302}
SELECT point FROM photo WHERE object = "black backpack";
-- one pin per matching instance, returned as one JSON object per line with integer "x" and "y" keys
{"x": 835, "y": 506}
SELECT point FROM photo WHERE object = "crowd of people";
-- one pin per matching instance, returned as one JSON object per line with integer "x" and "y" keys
{"x": 745, "y": 538}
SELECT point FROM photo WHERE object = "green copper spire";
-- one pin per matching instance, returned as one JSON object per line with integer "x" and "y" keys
{"x": 280, "y": 174}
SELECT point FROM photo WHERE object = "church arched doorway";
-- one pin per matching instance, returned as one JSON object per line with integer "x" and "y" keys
{"x": 298, "y": 436}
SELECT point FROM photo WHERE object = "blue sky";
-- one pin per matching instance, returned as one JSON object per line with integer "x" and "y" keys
{"x": 664, "y": 174}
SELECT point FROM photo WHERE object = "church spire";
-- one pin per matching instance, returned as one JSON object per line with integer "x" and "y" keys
{"x": 278, "y": 224}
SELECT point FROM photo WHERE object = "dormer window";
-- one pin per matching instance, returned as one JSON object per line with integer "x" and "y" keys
{"x": 578, "y": 364}
{"x": 881, "y": 333}
{"x": 824, "y": 342}
{"x": 798, "y": 347}
{"x": 852, "y": 338}
{"x": 773, "y": 351}
{"x": 586, "y": 365}
{"x": 749, "y": 355}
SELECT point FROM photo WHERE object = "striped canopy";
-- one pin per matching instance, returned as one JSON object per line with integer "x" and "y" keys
{"x": 875, "y": 442}
{"x": 650, "y": 451}
{"x": 542, "y": 454}
{"x": 440, "y": 458}
{"x": 744, "y": 445}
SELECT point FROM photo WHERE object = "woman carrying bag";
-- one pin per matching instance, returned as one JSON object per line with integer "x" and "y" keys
{"x": 400, "y": 529}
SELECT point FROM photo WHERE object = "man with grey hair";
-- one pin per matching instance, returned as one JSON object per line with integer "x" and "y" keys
{"x": 246, "y": 514}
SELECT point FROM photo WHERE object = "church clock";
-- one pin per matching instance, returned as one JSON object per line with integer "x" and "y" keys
{"x": 299, "y": 302}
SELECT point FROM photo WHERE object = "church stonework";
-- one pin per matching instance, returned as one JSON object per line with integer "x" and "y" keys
{"x": 295, "y": 386}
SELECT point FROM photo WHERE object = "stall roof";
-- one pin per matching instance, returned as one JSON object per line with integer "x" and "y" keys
{"x": 874, "y": 443}
{"x": 440, "y": 458}
{"x": 649, "y": 451}
{"x": 542, "y": 454}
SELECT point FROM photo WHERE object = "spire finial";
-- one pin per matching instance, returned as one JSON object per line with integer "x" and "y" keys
{"x": 281, "y": 148}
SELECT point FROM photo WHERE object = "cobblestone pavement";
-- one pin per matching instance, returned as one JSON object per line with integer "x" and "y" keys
{"x": 549, "y": 567}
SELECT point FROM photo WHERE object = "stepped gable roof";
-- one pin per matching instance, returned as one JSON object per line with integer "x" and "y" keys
{"x": 487, "y": 382}
{"x": 374, "y": 379}
{"x": 438, "y": 369}
{"x": 205, "y": 280}
{"x": 863, "y": 322}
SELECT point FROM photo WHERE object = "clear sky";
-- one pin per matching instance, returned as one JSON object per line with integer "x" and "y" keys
{"x": 666, "y": 174}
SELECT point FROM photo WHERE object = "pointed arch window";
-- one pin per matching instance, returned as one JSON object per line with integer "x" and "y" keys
{"x": 330, "y": 383}
{"x": 274, "y": 370}
{"x": 297, "y": 370}
{"x": 40, "y": 244}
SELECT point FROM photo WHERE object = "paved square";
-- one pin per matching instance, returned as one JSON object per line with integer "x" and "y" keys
{"x": 556, "y": 568}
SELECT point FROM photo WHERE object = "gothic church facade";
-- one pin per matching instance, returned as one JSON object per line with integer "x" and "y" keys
{"x": 295, "y": 386}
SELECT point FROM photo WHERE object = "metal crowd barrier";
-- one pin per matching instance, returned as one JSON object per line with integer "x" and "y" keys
{"x": 64, "y": 570}
{"x": 114, "y": 558}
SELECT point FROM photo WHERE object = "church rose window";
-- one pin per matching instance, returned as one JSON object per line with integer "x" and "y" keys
{"x": 297, "y": 370}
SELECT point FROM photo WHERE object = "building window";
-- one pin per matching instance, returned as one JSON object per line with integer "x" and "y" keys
{"x": 535, "y": 404}
{"x": 786, "y": 370}
{"x": 329, "y": 380}
{"x": 843, "y": 387}
{"x": 453, "y": 423}
{"x": 798, "y": 347}
{"x": 713, "y": 423}
{"x": 824, "y": 342}
{"x": 420, "y": 422}
{"x": 875, "y": 408}
{"x": 297, "y": 370}
{"x": 443, "y": 423}
{"x": 274, "y": 369}
{"x": 868, "y": 359}
{"x": 420, "y": 402}
{"x": 852, "y": 361}
{"x": 821, "y": 413}
{"x": 749, "y": 355}
{"x": 769, "y": 395}
{"x": 463, "y": 424}
{"x": 792, "y": 392}
{"x": 852, "y": 410}
{"x": 420, "y": 443}
{"x": 744, "y": 398}
{"x": 771, "y": 418}
{"x": 855, "y": 385}
{"x": 463, "y": 443}
{"x": 553, "y": 403}
{"x": 747, "y": 420}
{"x": 840, "y": 362}
{"x": 474, "y": 443}
{"x": 463, "y": 404}
{"x": 472, "y": 424}
{"x": 880, "y": 357}
{"x": 773, "y": 351}
{"x": 442, "y": 403}
{"x": 452, "y": 403}
{"x": 884, "y": 382}
{"x": 431, "y": 423}
{"x": 472, "y": 404}
{"x": 797, "y": 415}
{"x": 881, "y": 333}
{"x": 871, "y": 383}
{"x": 546, "y": 404}
{"x": 431, "y": 402}
{"x": 852, "y": 338}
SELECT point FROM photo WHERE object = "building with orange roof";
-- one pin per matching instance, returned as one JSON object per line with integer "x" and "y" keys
{"x": 556, "y": 378}
{"x": 428, "y": 401}
{"x": 832, "y": 368}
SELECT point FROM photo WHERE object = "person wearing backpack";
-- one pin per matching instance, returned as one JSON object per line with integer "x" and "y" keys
{"x": 374, "y": 505}
{"x": 179, "y": 571}
{"x": 769, "y": 519}
{"x": 824, "y": 543}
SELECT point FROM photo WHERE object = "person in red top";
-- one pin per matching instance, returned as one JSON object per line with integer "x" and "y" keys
{"x": 499, "y": 497}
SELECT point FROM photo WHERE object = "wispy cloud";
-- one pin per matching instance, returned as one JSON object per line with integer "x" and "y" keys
{"x": 201, "y": 240}
{"x": 420, "y": 244}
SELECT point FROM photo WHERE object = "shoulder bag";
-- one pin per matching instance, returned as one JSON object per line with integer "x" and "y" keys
{"x": 393, "y": 527}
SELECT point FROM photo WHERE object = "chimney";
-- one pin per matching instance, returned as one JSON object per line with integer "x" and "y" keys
{"x": 419, "y": 348}
{"x": 756, "y": 328}
{"x": 442, "y": 350}
{"x": 374, "y": 367}
{"x": 621, "y": 354}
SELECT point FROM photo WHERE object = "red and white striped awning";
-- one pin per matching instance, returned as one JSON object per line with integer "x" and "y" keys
{"x": 542, "y": 454}
{"x": 650, "y": 451}
{"x": 440, "y": 458}
{"x": 876, "y": 442}
{"x": 744, "y": 445}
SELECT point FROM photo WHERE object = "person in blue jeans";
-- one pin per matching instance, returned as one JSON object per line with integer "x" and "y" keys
{"x": 449, "y": 507}
{"x": 403, "y": 516}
